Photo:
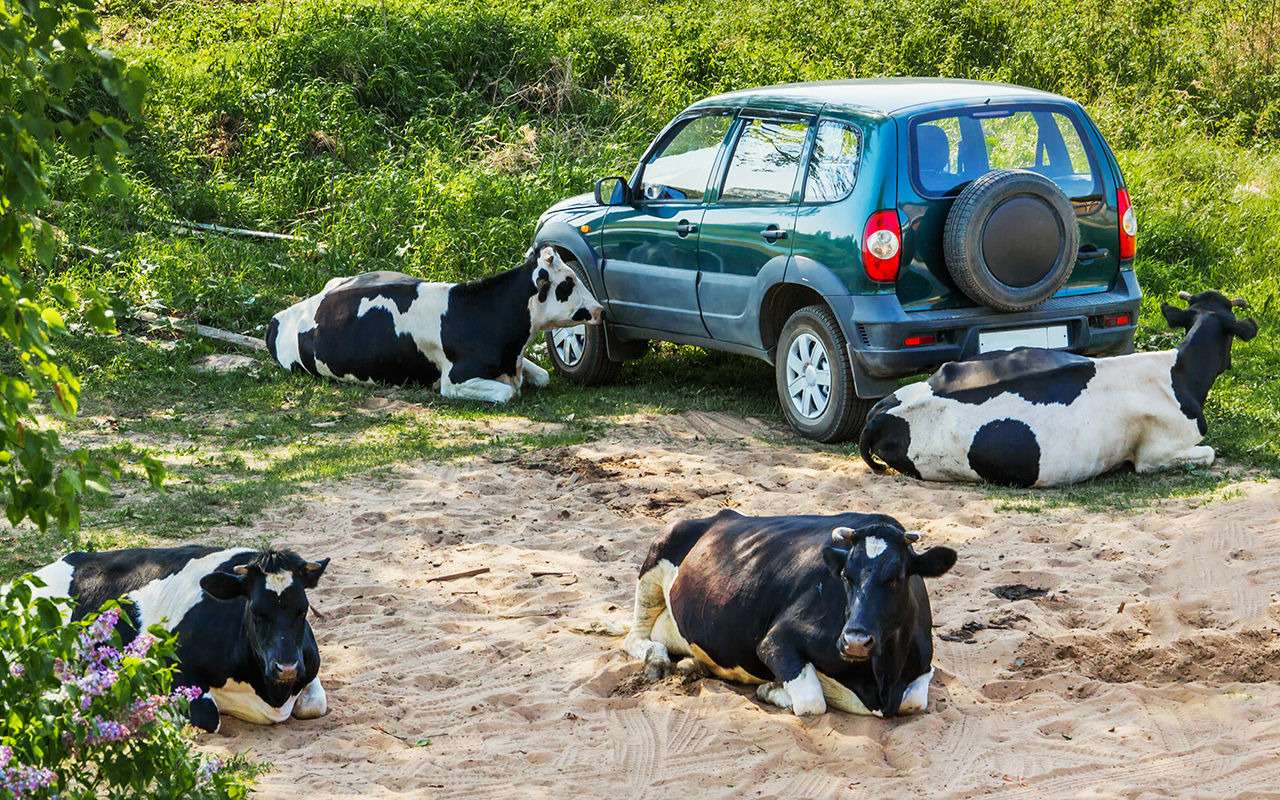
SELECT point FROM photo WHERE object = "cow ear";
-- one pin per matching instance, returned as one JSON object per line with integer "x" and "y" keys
{"x": 223, "y": 585}
{"x": 933, "y": 562}
{"x": 1245, "y": 329}
{"x": 543, "y": 281}
{"x": 311, "y": 572}
{"x": 1177, "y": 317}
{"x": 547, "y": 257}
{"x": 836, "y": 558}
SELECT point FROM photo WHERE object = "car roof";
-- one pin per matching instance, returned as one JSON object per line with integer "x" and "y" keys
{"x": 878, "y": 96}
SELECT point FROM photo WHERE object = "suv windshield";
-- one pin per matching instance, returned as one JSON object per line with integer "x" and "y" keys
{"x": 953, "y": 148}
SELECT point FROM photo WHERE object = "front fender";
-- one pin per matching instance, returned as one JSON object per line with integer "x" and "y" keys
{"x": 567, "y": 235}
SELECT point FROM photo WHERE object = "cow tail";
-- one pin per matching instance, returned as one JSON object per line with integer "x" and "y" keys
{"x": 867, "y": 441}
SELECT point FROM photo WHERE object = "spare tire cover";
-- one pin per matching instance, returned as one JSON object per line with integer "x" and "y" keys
{"x": 1010, "y": 239}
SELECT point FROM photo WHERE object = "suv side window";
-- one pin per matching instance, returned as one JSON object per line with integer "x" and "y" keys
{"x": 833, "y": 167}
{"x": 680, "y": 169}
{"x": 765, "y": 162}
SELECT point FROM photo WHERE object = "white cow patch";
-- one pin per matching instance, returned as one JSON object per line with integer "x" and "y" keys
{"x": 57, "y": 580}
{"x": 167, "y": 601}
{"x": 916, "y": 697}
{"x": 875, "y": 546}
{"x": 278, "y": 582}
{"x": 242, "y": 702}
{"x": 312, "y": 703}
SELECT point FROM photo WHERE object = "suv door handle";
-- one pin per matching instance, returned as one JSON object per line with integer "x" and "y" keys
{"x": 1092, "y": 253}
{"x": 684, "y": 227}
{"x": 773, "y": 233}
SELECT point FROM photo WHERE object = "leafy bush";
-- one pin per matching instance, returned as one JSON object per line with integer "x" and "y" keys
{"x": 44, "y": 51}
{"x": 85, "y": 717}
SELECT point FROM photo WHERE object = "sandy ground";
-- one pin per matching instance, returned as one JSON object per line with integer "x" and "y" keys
{"x": 1148, "y": 668}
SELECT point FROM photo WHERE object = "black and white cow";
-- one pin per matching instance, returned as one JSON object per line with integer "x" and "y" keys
{"x": 820, "y": 611}
{"x": 240, "y": 616}
{"x": 1033, "y": 417}
{"x": 467, "y": 338}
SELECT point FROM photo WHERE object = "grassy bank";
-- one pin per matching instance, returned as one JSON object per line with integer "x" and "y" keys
{"x": 428, "y": 136}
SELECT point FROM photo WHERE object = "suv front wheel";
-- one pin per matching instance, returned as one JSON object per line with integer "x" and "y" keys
{"x": 579, "y": 354}
{"x": 815, "y": 380}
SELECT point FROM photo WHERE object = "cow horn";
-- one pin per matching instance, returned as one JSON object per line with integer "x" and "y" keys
{"x": 842, "y": 536}
{"x": 912, "y": 536}
{"x": 1185, "y": 296}
{"x": 1239, "y": 302}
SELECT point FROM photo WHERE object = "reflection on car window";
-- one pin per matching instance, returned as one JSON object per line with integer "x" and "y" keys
{"x": 955, "y": 149}
{"x": 833, "y": 167}
{"x": 680, "y": 170}
{"x": 765, "y": 161}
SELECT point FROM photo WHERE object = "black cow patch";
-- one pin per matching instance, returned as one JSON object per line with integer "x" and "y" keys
{"x": 564, "y": 289}
{"x": 273, "y": 331}
{"x": 887, "y": 437}
{"x": 1006, "y": 452}
{"x": 480, "y": 343}
{"x": 366, "y": 346}
{"x": 1039, "y": 376}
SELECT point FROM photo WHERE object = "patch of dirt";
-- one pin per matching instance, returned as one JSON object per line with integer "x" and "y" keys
{"x": 1018, "y": 591}
{"x": 1133, "y": 677}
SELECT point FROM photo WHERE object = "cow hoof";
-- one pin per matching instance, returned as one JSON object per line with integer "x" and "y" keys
{"x": 657, "y": 664}
{"x": 774, "y": 694}
{"x": 690, "y": 666}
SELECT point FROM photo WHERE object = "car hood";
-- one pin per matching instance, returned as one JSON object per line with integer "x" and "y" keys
{"x": 584, "y": 200}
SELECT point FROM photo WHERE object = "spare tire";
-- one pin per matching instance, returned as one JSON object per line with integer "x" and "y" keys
{"x": 1011, "y": 239}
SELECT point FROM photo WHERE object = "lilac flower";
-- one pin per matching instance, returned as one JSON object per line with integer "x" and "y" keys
{"x": 108, "y": 730}
{"x": 17, "y": 670}
{"x": 21, "y": 781}
{"x": 6, "y": 755}
{"x": 188, "y": 693}
{"x": 140, "y": 646}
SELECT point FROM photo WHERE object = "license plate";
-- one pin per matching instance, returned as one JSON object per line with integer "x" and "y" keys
{"x": 1053, "y": 337}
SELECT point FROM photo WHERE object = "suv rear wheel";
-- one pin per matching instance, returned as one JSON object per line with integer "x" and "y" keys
{"x": 580, "y": 355}
{"x": 814, "y": 378}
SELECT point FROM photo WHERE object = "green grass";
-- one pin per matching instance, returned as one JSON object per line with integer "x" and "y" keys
{"x": 427, "y": 136}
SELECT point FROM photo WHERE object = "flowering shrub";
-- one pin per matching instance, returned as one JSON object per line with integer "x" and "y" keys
{"x": 83, "y": 717}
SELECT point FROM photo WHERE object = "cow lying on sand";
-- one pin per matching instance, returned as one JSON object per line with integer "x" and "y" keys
{"x": 467, "y": 338}
{"x": 820, "y": 611}
{"x": 1034, "y": 417}
{"x": 240, "y": 616}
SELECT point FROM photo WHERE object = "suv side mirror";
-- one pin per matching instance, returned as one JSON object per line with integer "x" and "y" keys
{"x": 614, "y": 188}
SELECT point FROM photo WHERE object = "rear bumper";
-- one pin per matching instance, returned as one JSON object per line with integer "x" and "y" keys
{"x": 875, "y": 327}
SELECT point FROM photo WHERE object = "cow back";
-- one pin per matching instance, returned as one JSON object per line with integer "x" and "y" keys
{"x": 1035, "y": 374}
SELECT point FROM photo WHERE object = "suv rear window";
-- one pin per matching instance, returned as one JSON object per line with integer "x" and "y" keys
{"x": 953, "y": 148}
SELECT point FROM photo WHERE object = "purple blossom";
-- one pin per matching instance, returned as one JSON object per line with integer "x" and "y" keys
{"x": 21, "y": 781}
{"x": 108, "y": 730}
{"x": 188, "y": 693}
{"x": 17, "y": 670}
{"x": 140, "y": 646}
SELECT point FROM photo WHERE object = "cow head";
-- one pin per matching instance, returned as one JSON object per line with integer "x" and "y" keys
{"x": 561, "y": 299}
{"x": 274, "y": 589}
{"x": 878, "y": 567}
{"x": 1210, "y": 320}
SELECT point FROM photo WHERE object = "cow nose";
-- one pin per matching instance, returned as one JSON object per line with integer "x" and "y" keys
{"x": 597, "y": 315}
{"x": 856, "y": 644}
{"x": 286, "y": 673}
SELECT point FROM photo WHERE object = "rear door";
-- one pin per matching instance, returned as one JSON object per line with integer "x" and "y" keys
{"x": 948, "y": 149}
{"x": 650, "y": 249}
{"x": 749, "y": 223}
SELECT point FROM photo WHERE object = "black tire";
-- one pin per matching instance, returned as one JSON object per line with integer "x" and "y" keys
{"x": 844, "y": 413}
{"x": 593, "y": 366}
{"x": 1011, "y": 239}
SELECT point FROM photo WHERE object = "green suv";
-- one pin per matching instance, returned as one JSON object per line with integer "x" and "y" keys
{"x": 855, "y": 232}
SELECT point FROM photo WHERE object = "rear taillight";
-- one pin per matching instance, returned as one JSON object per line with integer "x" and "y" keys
{"x": 882, "y": 246}
{"x": 1113, "y": 320}
{"x": 919, "y": 340}
{"x": 1128, "y": 224}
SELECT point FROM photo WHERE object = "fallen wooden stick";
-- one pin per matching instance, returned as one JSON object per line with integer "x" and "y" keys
{"x": 207, "y": 331}
{"x": 214, "y": 228}
{"x": 453, "y": 576}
